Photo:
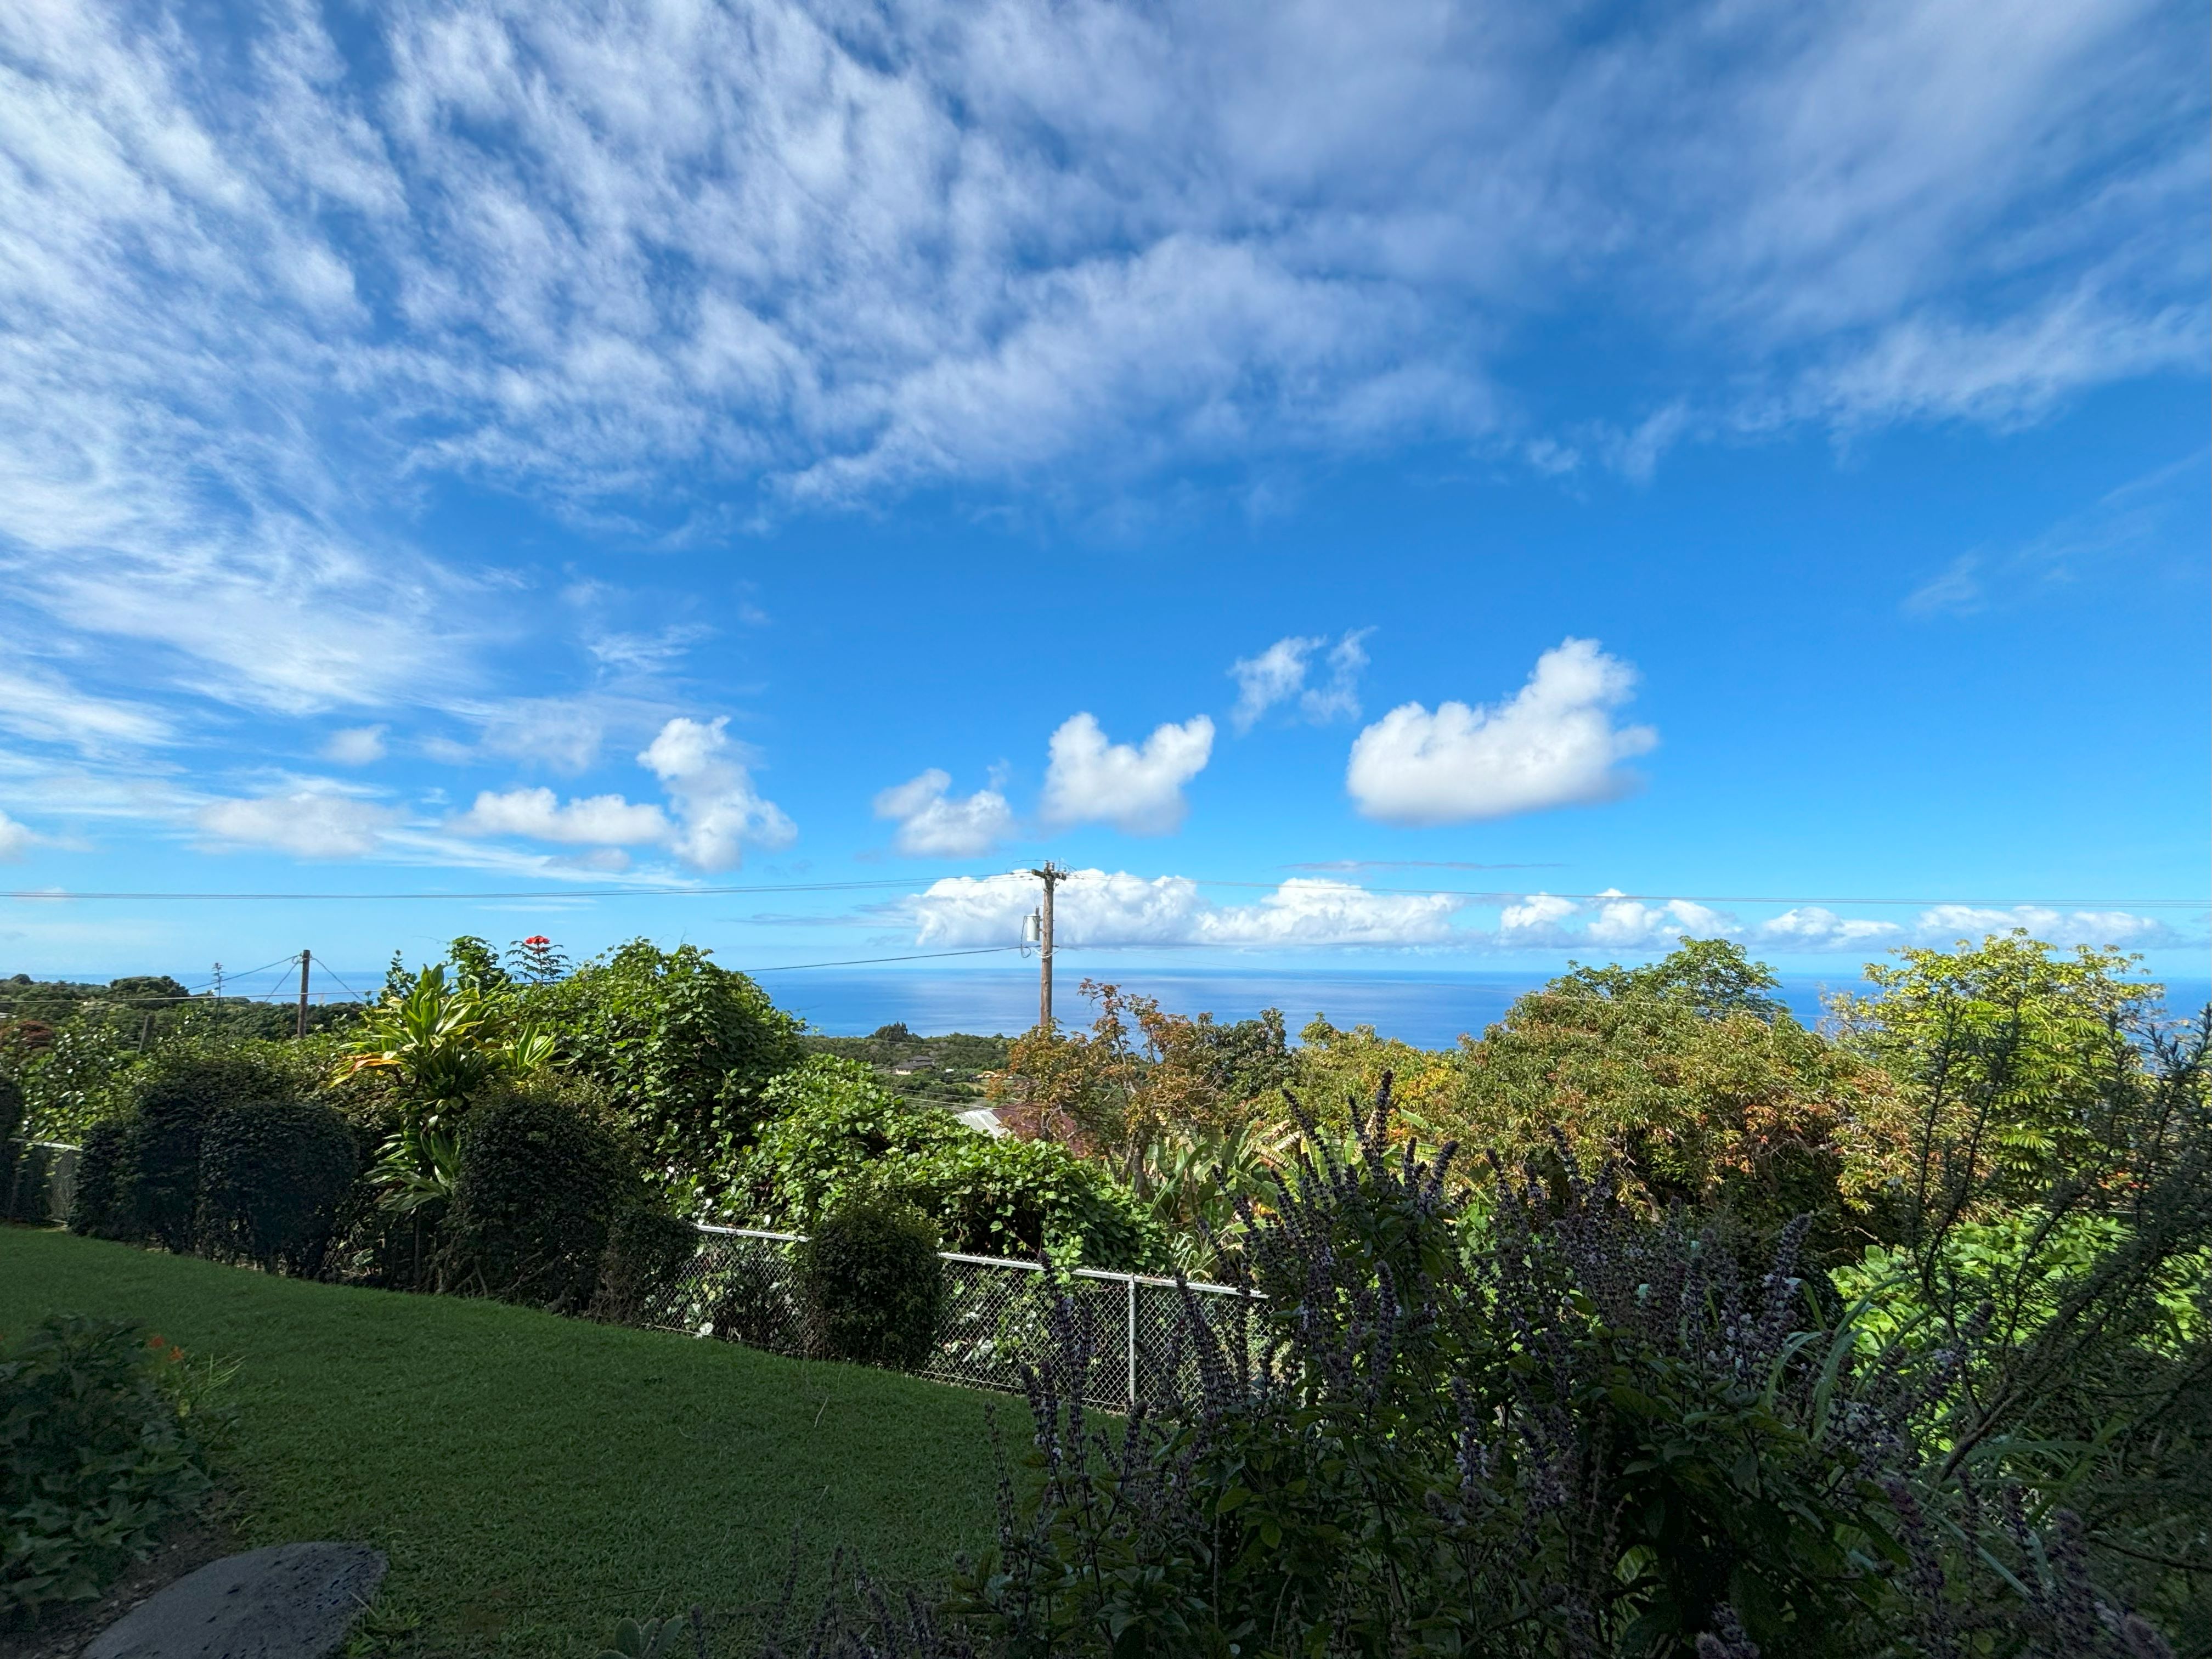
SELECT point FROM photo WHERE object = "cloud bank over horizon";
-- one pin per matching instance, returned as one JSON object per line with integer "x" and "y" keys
{"x": 1108, "y": 909}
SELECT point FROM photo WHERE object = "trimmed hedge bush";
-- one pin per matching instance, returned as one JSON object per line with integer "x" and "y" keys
{"x": 871, "y": 1285}
{"x": 542, "y": 1178}
{"x": 272, "y": 1175}
{"x": 96, "y": 1210}
{"x": 158, "y": 1196}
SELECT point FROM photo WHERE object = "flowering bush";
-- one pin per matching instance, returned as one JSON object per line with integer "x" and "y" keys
{"x": 105, "y": 1437}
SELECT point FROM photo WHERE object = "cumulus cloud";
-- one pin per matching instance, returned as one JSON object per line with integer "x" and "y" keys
{"x": 718, "y": 811}
{"x": 933, "y": 826}
{"x": 1553, "y": 745}
{"x": 15, "y": 839}
{"x": 1815, "y": 927}
{"x": 1137, "y": 790}
{"x": 356, "y": 745}
{"x": 308, "y": 823}
{"x": 1278, "y": 675}
{"x": 596, "y": 820}
{"x": 1103, "y": 908}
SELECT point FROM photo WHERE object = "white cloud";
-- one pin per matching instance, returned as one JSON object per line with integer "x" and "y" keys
{"x": 261, "y": 284}
{"x": 1278, "y": 675}
{"x": 308, "y": 823}
{"x": 1626, "y": 924}
{"x": 1553, "y": 744}
{"x": 1815, "y": 927}
{"x": 42, "y": 707}
{"x": 1942, "y": 925}
{"x": 1305, "y": 911}
{"x": 356, "y": 745}
{"x": 596, "y": 820}
{"x": 15, "y": 839}
{"x": 1139, "y": 791}
{"x": 718, "y": 812}
{"x": 1099, "y": 908}
{"x": 1268, "y": 678}
{"x": 1614, "y": 921}
{"x": 933, "y": 826}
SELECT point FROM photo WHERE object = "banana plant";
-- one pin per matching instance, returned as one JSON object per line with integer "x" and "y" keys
{"x": 1192, "y": 1184}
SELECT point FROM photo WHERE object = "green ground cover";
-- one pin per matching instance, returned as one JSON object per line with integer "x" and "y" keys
{"x": 533, "y": 1478}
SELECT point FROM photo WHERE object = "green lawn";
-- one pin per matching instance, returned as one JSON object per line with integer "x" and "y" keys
{"x": 533, "y": 1477}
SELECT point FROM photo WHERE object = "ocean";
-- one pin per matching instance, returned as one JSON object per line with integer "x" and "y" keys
{"x": 1429, "y": 1010}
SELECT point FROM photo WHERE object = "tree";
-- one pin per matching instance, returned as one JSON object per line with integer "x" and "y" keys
{"x": 2021, "y": 1060}
{"x": 685, "y": 1048}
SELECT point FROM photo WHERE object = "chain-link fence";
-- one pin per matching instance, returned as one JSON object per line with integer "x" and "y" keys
{"x": 1140, "y": 1331}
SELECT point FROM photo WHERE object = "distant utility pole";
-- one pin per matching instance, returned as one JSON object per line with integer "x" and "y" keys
{"x": 218, "y": 982}
{"x": 302, "y": 1029}
{"x": 1051, "y": 875}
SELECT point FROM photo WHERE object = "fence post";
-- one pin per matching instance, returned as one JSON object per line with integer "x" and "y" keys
{"x": 1133, "y": 1342}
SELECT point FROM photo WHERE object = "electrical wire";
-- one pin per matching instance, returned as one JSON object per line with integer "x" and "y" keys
{"x": 868, "y": 962}
{"x": 342, "y": 985}
{"x": 1494, "y": 895}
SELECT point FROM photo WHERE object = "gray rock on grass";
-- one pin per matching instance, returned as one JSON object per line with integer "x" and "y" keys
{"x": 288, "y": 1602}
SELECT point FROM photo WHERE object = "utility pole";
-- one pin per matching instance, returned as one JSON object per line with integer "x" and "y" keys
{"x": 302, "y": 1029}
{"x": 1051, "y": 875}
{"x": 218, "y": 982}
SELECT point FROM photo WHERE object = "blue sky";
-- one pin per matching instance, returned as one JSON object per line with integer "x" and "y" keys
{"x": 1396, "y": 484}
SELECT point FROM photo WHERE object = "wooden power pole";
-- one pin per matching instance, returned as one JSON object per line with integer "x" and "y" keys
{"x": 301, "y": 1030}
{"x": 1052, "y": 874}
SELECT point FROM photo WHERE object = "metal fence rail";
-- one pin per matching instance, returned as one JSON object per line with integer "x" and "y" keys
{"x": 739, "y": 1287}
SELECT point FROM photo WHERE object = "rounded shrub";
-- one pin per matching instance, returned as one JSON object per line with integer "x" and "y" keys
{"x": 272, "y": 1176}
{"x": 96, "y": 1208}
{"x": 543, "y": 1176}
{"x": 158, "y": 1195}
{"x": 871, "y": 1285}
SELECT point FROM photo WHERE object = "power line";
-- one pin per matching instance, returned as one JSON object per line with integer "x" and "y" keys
{"x": 52, "y": 893}
{"x": 865, "y": 962}
{"x": 1494, "y": 895}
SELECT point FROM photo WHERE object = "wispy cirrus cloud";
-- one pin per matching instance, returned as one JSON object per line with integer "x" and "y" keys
{"x": 261, "y": 285}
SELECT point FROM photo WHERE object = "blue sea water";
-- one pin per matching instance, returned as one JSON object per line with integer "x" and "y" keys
{"x": 1430, "y": 1010}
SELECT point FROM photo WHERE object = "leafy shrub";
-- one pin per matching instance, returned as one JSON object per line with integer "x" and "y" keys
{"x": 542, "y": 1177}
{"x": 11, "y": 1108}
{"x": 646, "y": 1252}
{"x": 159, "y": 1192}
{"x": 839, "y": 1136}
{"x": 104, "y": 1438}
{"x": 96, "y": 1210}
{"x": 871, "y": 1285}
{"x": 272, "y": 1174}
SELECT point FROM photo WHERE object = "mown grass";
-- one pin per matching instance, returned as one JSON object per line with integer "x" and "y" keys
{"x": 533, "y": 1479}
